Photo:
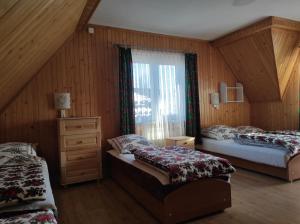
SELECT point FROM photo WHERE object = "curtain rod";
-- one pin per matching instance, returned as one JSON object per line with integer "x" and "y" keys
{"x": 153, "y": 49}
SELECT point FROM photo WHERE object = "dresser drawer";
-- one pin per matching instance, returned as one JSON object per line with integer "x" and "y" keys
{"x": 76, "y": 126}
{"x": 81, "y": 172}
{"x": 83, "y": 163}
{"x": 74, "y": 175}
{"x": 81, "y": 156}
{"x": 76, "y": 142}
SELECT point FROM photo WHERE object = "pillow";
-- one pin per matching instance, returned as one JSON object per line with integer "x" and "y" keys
{"x": 248, "y": 129}
{"x": 126, "y": 144}
{"x": 17, "y": 159}
{"x": 219, "y": 132}
{"x": 18, "y": 148}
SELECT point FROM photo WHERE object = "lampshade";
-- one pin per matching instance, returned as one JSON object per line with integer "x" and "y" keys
{"x": 62, "y": 101}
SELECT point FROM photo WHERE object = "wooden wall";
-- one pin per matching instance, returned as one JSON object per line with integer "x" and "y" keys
{"x": 265, "y": 58}
{"x": 282, "y": 114}
{"x": 30, "y": 33}
{"x": 262, "y": 56}
{"x": 87, "y": 66}
{"x": 253, "y": 63}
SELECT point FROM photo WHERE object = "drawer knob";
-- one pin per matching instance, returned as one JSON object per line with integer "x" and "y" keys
{"x": 79, "y": 126}
{"x": 79, "y": 142}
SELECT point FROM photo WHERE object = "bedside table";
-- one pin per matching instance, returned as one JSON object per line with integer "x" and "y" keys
{"x": 186, "y": 141}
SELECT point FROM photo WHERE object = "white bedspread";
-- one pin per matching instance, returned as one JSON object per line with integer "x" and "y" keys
{"x": 269, "y": 156}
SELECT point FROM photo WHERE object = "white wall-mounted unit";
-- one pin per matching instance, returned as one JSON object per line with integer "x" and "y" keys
{"x": 234, "y": 94}
{"x": 215, "y": 100}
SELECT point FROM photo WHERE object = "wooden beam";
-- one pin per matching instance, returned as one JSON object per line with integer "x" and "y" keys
{"x": 270, "y": 22}
{"x": 88, "y": 11}
{"x": 286, "y": 24}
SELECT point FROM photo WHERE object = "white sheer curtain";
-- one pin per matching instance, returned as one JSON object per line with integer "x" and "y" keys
{"x": 159, "y": 94}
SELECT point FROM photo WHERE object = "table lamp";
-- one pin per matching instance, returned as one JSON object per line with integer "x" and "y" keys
{"x": 62, "y": 101}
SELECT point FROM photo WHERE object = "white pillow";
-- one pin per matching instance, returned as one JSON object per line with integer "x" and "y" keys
{"x": 126, "y": 144}
{"x": 18, "y": 148}
{"x": 219, "y": 132}
{"x": 248, "y": 129}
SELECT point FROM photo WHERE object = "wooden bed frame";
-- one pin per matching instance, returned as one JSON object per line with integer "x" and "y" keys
{"x": 290, "y": 173}
{"x": 169, "y": 203}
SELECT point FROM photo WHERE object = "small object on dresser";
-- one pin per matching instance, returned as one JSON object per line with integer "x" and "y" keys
{"x": 79, "y": 149}
{"x": 62, "y": 101}
{"x": 185, "y": 141}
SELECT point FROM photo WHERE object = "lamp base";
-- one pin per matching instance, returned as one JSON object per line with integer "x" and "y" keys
{"x": 62, "y": 114}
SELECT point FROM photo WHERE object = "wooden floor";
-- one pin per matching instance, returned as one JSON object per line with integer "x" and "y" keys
{"x": 256, "y": 199}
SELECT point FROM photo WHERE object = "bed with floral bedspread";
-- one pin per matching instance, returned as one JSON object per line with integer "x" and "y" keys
{"x": 21, "y": 183}
{"x": 38, "y": 217}
{"x": 25, "y": 191}
{"x": 288, "y": 141}
{"x": 183, "y": 164}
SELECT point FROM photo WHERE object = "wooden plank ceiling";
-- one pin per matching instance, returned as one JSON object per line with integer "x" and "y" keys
{"x": 262, "y": 56}
{"x": 30, "y": 33}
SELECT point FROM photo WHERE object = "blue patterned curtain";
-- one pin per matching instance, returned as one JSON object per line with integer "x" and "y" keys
{"x": 192, "y": 98}
{"x": 126, "y": 92}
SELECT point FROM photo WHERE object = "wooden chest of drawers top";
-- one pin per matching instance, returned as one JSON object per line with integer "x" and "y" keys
{"x": 71, "y": 126}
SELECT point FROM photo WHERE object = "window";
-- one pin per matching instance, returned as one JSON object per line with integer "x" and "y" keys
{"x": 159, "y": 94}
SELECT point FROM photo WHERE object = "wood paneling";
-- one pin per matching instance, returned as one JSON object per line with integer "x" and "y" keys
{"x": 286, "y": 52}
{"x": 87, "y": 66}
{"x": 5, "y": 6}
{"x": 280, "y": 115}
{"x": 252, "y": 61}
{"x": 262, "y": 56}
{"x": 269, "y": 22}
{"x": 243, "y": 33}
{"x": 89, "y": 8}
{"x": 30, "y": 32}
{"x": 212, "y": 70}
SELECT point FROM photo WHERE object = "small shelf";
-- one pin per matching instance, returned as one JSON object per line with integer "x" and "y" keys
{"x": 238, "y": 95}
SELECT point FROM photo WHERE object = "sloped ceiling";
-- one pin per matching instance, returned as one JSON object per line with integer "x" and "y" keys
{"x": 262, "y": 56}
{"x": 30, "y": 32}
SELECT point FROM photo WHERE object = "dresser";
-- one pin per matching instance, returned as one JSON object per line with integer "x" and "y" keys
{"x": 79, "y": 149}
{"x": 186, "y": 141}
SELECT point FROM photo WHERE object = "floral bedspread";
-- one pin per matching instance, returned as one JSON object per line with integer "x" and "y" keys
{"x": 284, "y": 140}
{"x": 39, "y": 217}
{"x": 184, "y": 165}
{"x": 19, "y": 183}
{"x": 285, "y": 132}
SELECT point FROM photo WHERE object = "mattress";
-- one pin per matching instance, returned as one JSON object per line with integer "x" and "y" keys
{"x": 162, "y": 177}
{"x": 269, "y": 156}
{"x": 46, "y": 204}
